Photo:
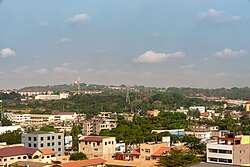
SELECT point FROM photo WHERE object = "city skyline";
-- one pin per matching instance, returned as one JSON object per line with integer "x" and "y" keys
{"x": 153, "y": 43}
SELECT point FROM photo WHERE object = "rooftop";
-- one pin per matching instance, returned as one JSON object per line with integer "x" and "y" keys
{"x": 93, "y": 138}
{"x": 161, "y": 151}
{"x": 83, "y": 163}
{"x": 16, "y": 150}
{"x": 47, "y": 151}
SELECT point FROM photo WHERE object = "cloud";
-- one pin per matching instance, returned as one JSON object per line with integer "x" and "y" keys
{"x": 218, "y": 16}
{"x": 66, "y": 64}
{"x": 153, "y": 57}
{"x": 42, "y": 71}
{"x": 21, "y": 69}
{"x": 79, "y": 18}
{"x": 230, "y": 53}
{"x": 66, "y": 40}
{"x": 7, "y": 52}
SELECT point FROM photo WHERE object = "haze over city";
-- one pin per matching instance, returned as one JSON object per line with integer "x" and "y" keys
{"x": 154, "y": 43}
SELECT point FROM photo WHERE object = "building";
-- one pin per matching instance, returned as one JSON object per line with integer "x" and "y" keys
{"x": 63, "y": 116}
{"x": 10, "y": 154}
{"x": 231, "y": 150}
{"x": 203, "y": 128}
{"x": 154, "y": 150}
{"x": 97, "y": 146}
{"x": 42, "y": 140}
{"x": 247, "y": 106}
{"x": 153, "y": 113}
{"x": 200, "y": 108}
{"x": 47, "y": 97}
{"x": 20, "y": 118}
{"x": 96, "y": 124}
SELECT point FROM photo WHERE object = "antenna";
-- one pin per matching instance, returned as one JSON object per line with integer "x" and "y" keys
{"x": 78, "y": 85}
{"x": 127, "y": 96}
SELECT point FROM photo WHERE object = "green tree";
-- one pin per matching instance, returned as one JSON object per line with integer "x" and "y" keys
{"x": 77, "y": 156}
{"x": 178, "y": 158}
{"x": 5, "y": 121}
{"x": 74, "y": 133}
{"x": 11, "y": 137}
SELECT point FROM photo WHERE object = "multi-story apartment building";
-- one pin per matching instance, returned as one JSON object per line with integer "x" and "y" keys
{"x": 42, "y": 140}
{"x": 229, "y": 150}
{"x": 96, "y": 124}
{"x": 97, "y": 146}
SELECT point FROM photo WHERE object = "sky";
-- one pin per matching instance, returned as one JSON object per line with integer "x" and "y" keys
{"x": 162, "y": 43}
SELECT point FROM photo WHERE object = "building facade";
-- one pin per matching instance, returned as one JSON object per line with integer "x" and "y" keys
{"x": 45, "y": 140}
{"x": 97, "y": 146}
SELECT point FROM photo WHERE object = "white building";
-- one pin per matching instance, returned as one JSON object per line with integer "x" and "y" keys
{"x": 63, "y": 116}
{"x": 20, "y": 118}
{"x": 47, "y": 97}
{"x": 200, "y": 108}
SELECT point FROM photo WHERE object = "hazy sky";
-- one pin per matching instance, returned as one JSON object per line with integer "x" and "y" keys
{"x": 196, "y": 43}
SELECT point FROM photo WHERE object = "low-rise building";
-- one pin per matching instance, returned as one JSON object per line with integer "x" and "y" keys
{"x": 202, "y": 109}
{"x": 96, "y": 162}
{"x": 13, "y": 153}
{"x": 97, "y": 146}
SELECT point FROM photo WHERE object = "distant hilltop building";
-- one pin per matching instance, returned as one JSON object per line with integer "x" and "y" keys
{"x": 86, "y": 92}
{"x": 200, "y": 108}
{"x": 153, "y": 113}
{"x": 52, "y": 97}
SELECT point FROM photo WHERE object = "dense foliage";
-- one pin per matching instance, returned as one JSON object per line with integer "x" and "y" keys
{"x": 139, "y": 131}
{"x": 11, "y": 137}
{"x": 178, "y": 158}
{"x": 77, "y": 156}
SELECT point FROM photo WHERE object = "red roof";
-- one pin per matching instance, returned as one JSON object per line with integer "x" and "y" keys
{"x": 92, "y": 138}
{"x": 135, "y": 152}
{"x": 161, "y": 151}
{"x": 16, "y": 150}
{"x": 83, "y": 163}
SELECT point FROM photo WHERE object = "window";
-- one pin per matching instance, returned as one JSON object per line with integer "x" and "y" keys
{"x": 96, "y": 149}
{"x": 93, "y": 144}
{"x": 105, "y": 143}
{"x": 59, "y": 143}
{"x": 29, "y": 144}
{"x": 11, "y": 158}
{"x": 147, "y": 150}
{"x": 41, "y": 138}
{"x": 98, "y": 143}
{"x": 48, "y": 156}
{"x": 48, "y": 144}
{"x": 34, "y": 145}
{"x": 213, "y": 159}
{"x": 4, "y": 159}
{"x": 83, "y": 148}
{"x": 53, "y": 143}
{"x": 18, "y": 157}
{"x": 225, "y": 151}
{"x": 59, "y": 149}
{"x": 109, "y": 142}
{"x": 86, "y": 143}
{"x": 41, "y": 145}
{"x": 48, "y": 138}
{"x": 147, "y": 158}
{"x": 212, "y": 150}
{"x": 29, "y": 138}
{"x": 34, "y": 138}
{"x": 53, "y": 137}
{"x": 112, "y": 142}
{"x": 24, "y": 157}
{"x": 59, "y": 137}
{"x": 42, "y": 157}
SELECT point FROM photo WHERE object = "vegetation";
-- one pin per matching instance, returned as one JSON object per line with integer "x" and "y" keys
{"x": 5, "y": 122}
{"x": 49, "y": 129}
{"x": 178, "y": 158}
{"x": 76, "y": 130}
{"x": 77, "y": 156}
{"x": 11, "y": 137}
{"x": 140, "y": 129}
